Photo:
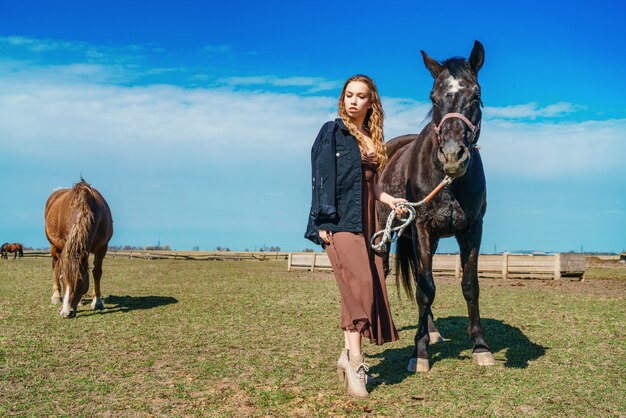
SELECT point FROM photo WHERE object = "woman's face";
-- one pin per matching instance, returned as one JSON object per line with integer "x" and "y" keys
{"x": 357, "y": 100}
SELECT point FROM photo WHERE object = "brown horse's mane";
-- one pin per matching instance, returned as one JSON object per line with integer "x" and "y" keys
{"x": 77, "y": 242}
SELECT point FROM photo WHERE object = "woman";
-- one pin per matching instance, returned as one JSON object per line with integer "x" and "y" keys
{"x": 345, "y": 157}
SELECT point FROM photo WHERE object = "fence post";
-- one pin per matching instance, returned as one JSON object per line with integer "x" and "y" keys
{"x": 457, "y": 268}
{"x": 505, "y": 265}
{"x": 289, "y": 262}
{"x": 313, "y": 262}
{"x": 557, "y": 266}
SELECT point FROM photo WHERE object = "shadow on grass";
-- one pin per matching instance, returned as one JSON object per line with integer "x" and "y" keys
{"x": 500, "y": 336}
{"x": 114, "y": 304}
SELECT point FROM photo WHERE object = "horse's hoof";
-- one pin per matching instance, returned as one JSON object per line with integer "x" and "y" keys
{"x": 97, "y": 305}
{"x": 420, "y": 365}
{"x": 484, "y": 359}
{"x": 435, "y": 337}
{"x": 66, "y": 314}
{"x": 55, "y": 301}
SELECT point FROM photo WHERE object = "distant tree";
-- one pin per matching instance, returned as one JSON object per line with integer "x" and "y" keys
{"x": 131, "y": 247}
{"x": 195, "y": 248}
{"x": 124, "y": 247}
{"x": 158, "y": 248}
{"x": 308, "y": 250}
{"x": 265, "y": 248}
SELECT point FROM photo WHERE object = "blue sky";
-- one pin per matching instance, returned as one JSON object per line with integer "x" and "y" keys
{"x": 195, "y": 120}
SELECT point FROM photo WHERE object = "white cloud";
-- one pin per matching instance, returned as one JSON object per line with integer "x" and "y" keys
{"x": 43, "y": 114}
{"x": 314, "y": 84}
{"x": 531, "y": 111}
{"x": 558, "y": 150}
{"x": 48, "y": 117}
{"x": 404, "y": 116}
{"x": 36, "y": 45}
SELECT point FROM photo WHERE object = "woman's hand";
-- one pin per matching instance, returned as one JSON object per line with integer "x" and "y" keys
{"x": 392, "y": 202}
{"x": 325, "y": 236}
{"x": 389, "y": 200}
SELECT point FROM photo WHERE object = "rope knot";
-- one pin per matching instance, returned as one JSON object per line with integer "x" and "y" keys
{"x": 391, "y": 233}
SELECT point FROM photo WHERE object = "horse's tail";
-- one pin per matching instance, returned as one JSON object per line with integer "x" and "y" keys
{"x": 406, "y": 270}
{"x": 77, "y": 241}
{"x": 20, "y": 247}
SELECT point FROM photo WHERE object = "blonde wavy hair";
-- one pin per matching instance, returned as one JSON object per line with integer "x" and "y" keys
{"x": 373, "y": 122}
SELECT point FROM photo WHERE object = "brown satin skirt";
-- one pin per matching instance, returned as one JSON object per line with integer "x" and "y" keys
{"x": 359, "y": 273}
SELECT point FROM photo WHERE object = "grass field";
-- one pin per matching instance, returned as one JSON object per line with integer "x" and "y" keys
{"x": 184, "y": 338}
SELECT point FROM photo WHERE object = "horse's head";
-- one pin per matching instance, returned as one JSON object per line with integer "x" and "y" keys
{"x": 456, "y": 107}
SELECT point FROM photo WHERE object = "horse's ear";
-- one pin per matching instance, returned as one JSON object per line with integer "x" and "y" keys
{"x": 477, "y": 57}
{"x": 433, "y": 66}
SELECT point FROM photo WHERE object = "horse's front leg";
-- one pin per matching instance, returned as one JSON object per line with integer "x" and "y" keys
{"x": 56, "y": 282}
{"x": 469, "y": 243}
{"x": 433, "y": 333}
{"x": 425, "y": 296}
{"x": 96, "y": 301}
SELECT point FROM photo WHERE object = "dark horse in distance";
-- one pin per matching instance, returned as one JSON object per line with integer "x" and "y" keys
{"x": 16, "y": 248}
{"x": 417, "y": 164}
{"x": 78, "y": 222}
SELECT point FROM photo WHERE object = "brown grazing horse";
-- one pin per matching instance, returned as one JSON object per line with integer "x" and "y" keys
{"x": 78, "y": 222}
{"x": 16, "y": 248}
{"x": 417, "y": 164}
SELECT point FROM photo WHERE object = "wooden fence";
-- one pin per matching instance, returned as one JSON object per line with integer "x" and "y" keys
{"x": 504, "y": 265}
{"x": 183, "y": 255}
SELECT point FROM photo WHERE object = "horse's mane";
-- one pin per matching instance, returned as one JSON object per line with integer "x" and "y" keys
{"x": 459, "y": 68}
{"x": 76, "y": 244}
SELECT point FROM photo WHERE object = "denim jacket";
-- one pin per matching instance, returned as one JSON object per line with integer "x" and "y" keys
{"x": 337, "y": 182}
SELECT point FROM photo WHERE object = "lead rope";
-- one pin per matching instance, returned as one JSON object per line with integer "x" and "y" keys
{"x": 388, "y": 235}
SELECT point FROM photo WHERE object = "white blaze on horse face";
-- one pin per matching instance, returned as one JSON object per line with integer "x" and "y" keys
{"x": 453, "y": 85}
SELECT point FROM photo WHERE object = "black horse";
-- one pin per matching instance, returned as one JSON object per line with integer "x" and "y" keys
{"x": 417, "y": 164}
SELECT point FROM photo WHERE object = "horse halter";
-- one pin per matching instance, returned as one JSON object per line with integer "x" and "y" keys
{"x": 474, "y": 128}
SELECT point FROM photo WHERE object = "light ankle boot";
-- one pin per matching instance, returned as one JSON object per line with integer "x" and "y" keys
{"x": 342, "y": 364}
{"x": 356, "y": 378}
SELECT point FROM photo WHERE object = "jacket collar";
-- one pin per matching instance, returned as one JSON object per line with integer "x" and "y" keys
{"x": 342, "y": 125}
